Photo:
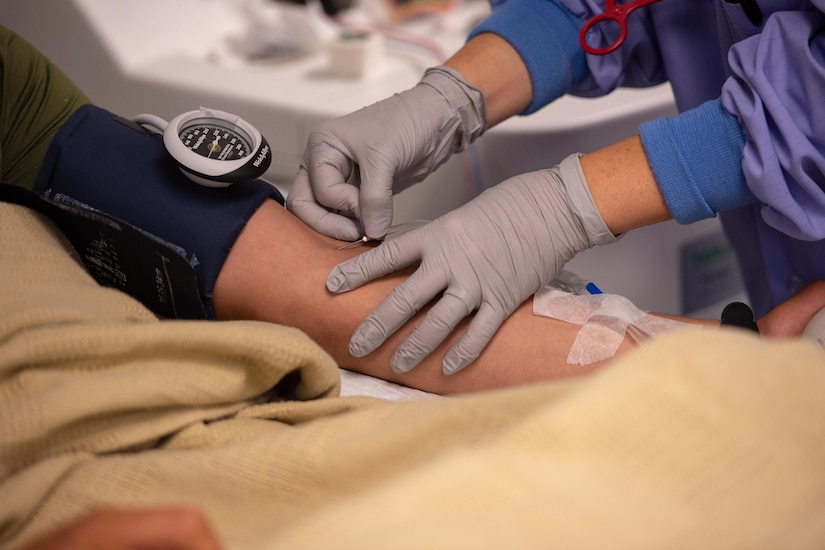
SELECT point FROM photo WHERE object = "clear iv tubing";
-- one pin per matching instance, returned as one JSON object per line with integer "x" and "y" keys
{"x": 639, "y": 335}
{"x": 570, "y": 282}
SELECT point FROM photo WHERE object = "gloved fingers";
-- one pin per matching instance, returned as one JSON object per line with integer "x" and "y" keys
{"x": 393, "y": 311}
{"x": 388, "y": 257}
{"x": 439, "y": 322}
{"x": 361, "y": 186}
{"x": 375, "y": 199}
{"x": 301, "y": 202}
{"x": 483, "y": 327}
{"x": 333, "y": 176}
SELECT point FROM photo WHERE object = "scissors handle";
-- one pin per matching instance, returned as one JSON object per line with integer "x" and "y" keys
{"x": 613, "y": 13}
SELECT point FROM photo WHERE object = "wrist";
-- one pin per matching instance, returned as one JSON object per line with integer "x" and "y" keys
{"x": 465, "y": 100}
{"x": 623, "y": 187}
{"x": 552, "y": 65}
{"x": 581, "y": 203}
{"x": 491, "y": 64}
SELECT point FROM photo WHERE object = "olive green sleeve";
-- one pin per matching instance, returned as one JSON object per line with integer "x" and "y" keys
{"x": 35, "y": 99}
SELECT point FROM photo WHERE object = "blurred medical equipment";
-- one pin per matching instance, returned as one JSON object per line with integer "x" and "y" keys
{"x": 162, "y": 57}
{"x": 613, "y": 18}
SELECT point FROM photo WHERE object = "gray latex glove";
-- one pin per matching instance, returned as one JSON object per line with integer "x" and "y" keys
{"x": 354, "y": 164}
{"x": 489, "y": 255}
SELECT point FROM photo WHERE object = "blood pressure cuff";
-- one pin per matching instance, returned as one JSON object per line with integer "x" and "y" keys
{"x": 103, "y": 164}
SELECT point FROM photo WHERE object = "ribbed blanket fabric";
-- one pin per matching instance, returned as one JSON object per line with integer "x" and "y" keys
{"x": 702, "y": 439}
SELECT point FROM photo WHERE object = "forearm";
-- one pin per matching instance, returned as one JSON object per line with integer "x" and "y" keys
{"x": 623, "y": 186}
{"x": 276, "y": 272}
{"x": 553, "y": 63}
{"x": 789, "y": 319}
{"x": 277, "y": 269}
{"x": 489, "y": 63}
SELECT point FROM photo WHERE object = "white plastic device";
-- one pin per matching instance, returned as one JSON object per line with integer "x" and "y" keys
{"x": 356, "y": 55}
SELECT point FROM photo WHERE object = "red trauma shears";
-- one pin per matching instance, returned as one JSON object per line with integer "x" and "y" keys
{"x": 612, "y": 14}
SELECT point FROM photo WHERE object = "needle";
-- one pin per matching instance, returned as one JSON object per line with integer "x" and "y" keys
{"x": 214, "y": 147}
{"x": 362, "y": 240}
{"x": 395, "y": 230}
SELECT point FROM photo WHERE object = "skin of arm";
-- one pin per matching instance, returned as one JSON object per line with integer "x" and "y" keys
{"x": 492, "y": 65}
{"x": 624, "y": 187}
{"x": 276, "y": 270}
{"x": 283, "y": 282}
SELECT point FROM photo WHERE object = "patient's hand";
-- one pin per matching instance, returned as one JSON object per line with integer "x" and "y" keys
{"x": 148, "y": 529}
{"x": 790, "y": 318}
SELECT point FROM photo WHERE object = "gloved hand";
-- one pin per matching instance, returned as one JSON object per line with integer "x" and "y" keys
{"x": 354, "y": 164}
{"x": 489, "y": 255}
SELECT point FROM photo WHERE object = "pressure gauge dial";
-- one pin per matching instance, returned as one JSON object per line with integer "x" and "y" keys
{"x": 212, "y": 147}
{"x": 215, "y": 141}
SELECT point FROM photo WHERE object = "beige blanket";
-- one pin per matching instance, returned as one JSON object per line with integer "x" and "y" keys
{"x": 700, "y": 440}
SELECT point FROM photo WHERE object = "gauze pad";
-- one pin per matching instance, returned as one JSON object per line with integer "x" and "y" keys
{"x": 604, "y": 320}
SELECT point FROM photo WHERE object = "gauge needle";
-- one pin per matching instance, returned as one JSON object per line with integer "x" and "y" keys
{"x": 215, "y": 146}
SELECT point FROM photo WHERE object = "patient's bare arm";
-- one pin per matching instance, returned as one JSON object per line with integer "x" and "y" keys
{"x": 277, "y": 270}
{"x": 789, "y": 319}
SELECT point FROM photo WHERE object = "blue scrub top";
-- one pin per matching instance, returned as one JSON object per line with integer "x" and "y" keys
{"x": 750, "y": 142}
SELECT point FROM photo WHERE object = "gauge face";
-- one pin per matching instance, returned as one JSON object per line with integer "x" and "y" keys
{"x": 215, "y": 148}
{"x": 215, "y": 139}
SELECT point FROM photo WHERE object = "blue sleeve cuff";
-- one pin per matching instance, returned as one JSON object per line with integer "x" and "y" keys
{"x": 546, "y": 36}
{"x": 696, "y": 158}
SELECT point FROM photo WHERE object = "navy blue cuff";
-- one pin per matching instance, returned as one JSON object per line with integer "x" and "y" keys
{"x": 546, "y": 36}
{"x": 696, "y": 158}
{"x": 103, "y": 162}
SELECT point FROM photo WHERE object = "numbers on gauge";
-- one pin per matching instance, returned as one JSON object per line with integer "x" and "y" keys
{"x": 216, "y": 142}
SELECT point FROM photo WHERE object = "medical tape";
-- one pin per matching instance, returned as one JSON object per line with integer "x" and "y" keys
{"x": 604, "y": 319}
